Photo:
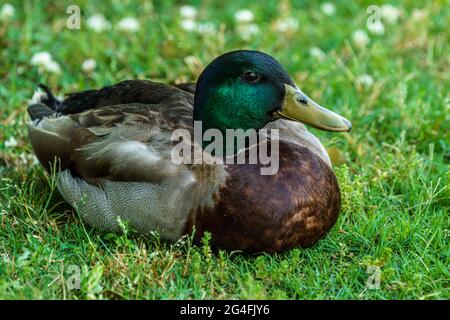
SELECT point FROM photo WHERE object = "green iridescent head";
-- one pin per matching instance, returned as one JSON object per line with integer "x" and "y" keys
{"x": 247, "y": 89}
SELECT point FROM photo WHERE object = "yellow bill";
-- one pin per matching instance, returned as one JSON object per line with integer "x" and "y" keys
{"x": 299, "y": 107}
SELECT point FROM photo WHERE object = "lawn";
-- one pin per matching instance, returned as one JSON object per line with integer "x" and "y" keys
{"x": 390, "y": 78}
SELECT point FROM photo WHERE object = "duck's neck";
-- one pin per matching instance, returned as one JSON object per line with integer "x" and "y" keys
{"x": 214, "y": 116}
{"x": 226, "y": 107}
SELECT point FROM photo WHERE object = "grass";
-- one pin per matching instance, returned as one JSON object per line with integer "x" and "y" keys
{"x": 392, "y": 168}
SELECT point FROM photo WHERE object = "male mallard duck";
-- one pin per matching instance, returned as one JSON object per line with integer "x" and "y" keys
{"x": 114, "y": 150}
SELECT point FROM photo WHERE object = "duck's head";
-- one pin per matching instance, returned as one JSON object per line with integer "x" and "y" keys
{"x": 247, "y": 89}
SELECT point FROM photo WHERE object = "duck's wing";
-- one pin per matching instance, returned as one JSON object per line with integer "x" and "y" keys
{"x": 125, "y": 92}
{"x": 188, "y": 87}
{"x": 116, "y": 162}
{"x": 114, "y": 147}
{"x": 121, "y": 132}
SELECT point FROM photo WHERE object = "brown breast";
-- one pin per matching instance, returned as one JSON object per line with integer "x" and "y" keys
{"x": 254, "y": 212}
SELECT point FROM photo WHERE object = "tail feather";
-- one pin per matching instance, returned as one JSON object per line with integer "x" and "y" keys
{"x": 38, "y": 111}
{"x": 49, "y": 99}
{"x": 43, "y": 103}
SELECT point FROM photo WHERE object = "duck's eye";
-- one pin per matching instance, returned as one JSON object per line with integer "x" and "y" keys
{"x": 250, "y": 76}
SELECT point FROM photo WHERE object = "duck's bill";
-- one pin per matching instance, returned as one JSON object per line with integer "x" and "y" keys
{"x": 299, "y": 107}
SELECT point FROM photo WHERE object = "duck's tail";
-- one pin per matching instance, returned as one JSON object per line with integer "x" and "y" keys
{"x": 49, "y": 131}
{"x": 43, "y": 104}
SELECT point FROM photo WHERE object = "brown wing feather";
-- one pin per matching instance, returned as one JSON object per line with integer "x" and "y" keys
{"x": 125, "y": 92}
{"x": 148, "y": 113}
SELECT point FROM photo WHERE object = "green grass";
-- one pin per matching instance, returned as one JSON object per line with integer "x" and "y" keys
{"x": 392, "y": 168}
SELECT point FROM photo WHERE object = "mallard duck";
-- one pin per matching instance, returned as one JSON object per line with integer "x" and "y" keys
{"x": 113, "y": 151}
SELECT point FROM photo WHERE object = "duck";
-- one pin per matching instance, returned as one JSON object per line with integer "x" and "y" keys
{"x": 112, "y": 151}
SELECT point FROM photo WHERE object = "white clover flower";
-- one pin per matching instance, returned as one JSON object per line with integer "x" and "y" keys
{"x": 45, "y": 62}
{"x": 128, "y": 24}
{"x": 7, "y": 12}
{"x": 247, "y": 31}
{"x": 360, "y": 38}
{"x": 98, "y": 23}
{"x": 390, "y": 13}
{"x": 89, "y": 65}
{"x": 188, "y": 25}
{"x": 11, "y": 143}
{"x": 376, "y": 28}
{"x": 419, "y": 14}
{"x": 52, "y": 67}
{"x": 37, "y": 97}
{"x": 190, "y": 60}
{"x": 244, "y": 16}
{"x": 366, "y": 80}
{"x": 188, "y": 12}
{"x": 328, "y": 8}
{"x": 28, "y": 159}
{"x": 35, "y": 161}
{"x": 23, "y": 157}
{"x": 41, "y": 58}
{"x": 194, "y": 63}
{"x": 206, "y": 28}
{"x": 317, "y": 53}
{"x": 289, "y": 24}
